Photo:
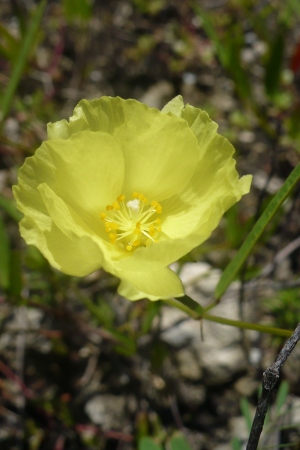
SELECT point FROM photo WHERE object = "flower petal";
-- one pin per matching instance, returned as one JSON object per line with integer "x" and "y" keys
{"x": 59, "y": 130}
{"x": 71, "y": 224}
{"x": 175, "y": 106}
{"x": 86, "y": 171}
{"x": 160, "y": 150}
{"x": 160, "y": 158}
{"x": 62, "y": 237}
{"x": 73, "y": 256}
{"x": 155, "y": 285}
{"x": 159, "y": 254}
{"x": 64, "y": 217}
{"x": 201, "y": 125}
{"x": 213, "y": 189}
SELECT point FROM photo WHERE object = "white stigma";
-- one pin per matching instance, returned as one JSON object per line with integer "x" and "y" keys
{"x": 134, "y": 205}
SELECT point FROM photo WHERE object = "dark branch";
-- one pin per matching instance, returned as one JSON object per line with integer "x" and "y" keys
{"x": 270, "y": 377}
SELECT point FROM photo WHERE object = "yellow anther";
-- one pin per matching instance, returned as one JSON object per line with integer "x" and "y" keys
{"x": 137, "y": 231}
{"x": 112, "y": 237}
{"x": 135, "y": 194}
{"x": 136, "y": 243}
{"x": 142, "y": 198}
{"x": 121, "y": 198}
{"x": 116, "y": 205}
{"x": 102, "y": 216}
{"x": 157, "y": 221}
{"x": 113, "y": 226}
{"x": 156, "y": 206}
{"x": 128, "y": 247}
{"x": 109, "y": 208}
{"x": 138, "y": 225}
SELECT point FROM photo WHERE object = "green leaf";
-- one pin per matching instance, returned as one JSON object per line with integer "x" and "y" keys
{"x": 179, "y": 443}
{"x": 22, "y": 58}
{"x": 146, "y": 443}
{"x": 4, "y": 256}
{"x": 235, "y": 265}
{"x": 191, "y": 304}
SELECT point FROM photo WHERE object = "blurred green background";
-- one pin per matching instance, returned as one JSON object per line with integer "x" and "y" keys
{"x": 65, "y": 341}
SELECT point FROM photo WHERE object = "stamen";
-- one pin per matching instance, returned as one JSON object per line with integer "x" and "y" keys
{"x": 116, "y": 205}
{"x": 132, "y": 224}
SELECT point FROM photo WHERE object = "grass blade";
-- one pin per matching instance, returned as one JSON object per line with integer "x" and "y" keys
{"x": 275, "y": 63}
{"x": 235, "y": 265}
{"x": 209, "y": 28}
{"x": 4, "y": 257}
{"x": 245, "y": 409}
{"x": 282, "y": 395}
{"x": 22, "y": 58}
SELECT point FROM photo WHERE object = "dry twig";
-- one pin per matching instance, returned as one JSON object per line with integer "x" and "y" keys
{"x": 270, "y": 378}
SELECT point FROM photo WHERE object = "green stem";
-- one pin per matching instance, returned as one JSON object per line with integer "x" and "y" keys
{"x": 196, "y": 311}
{"x": 176, "y": 303}
{"x": 249, "y": 325}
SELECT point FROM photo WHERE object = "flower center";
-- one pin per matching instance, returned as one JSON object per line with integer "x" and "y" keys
{"x": 133, "y": 223}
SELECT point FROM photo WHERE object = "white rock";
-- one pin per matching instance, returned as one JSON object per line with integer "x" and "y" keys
{"x": 220, "y": 353}
{"x": 106, "y": 410}
{"x": 158, "y": 94}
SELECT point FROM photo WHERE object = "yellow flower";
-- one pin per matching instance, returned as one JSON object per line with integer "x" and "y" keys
{"x": 128, "y": 188}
